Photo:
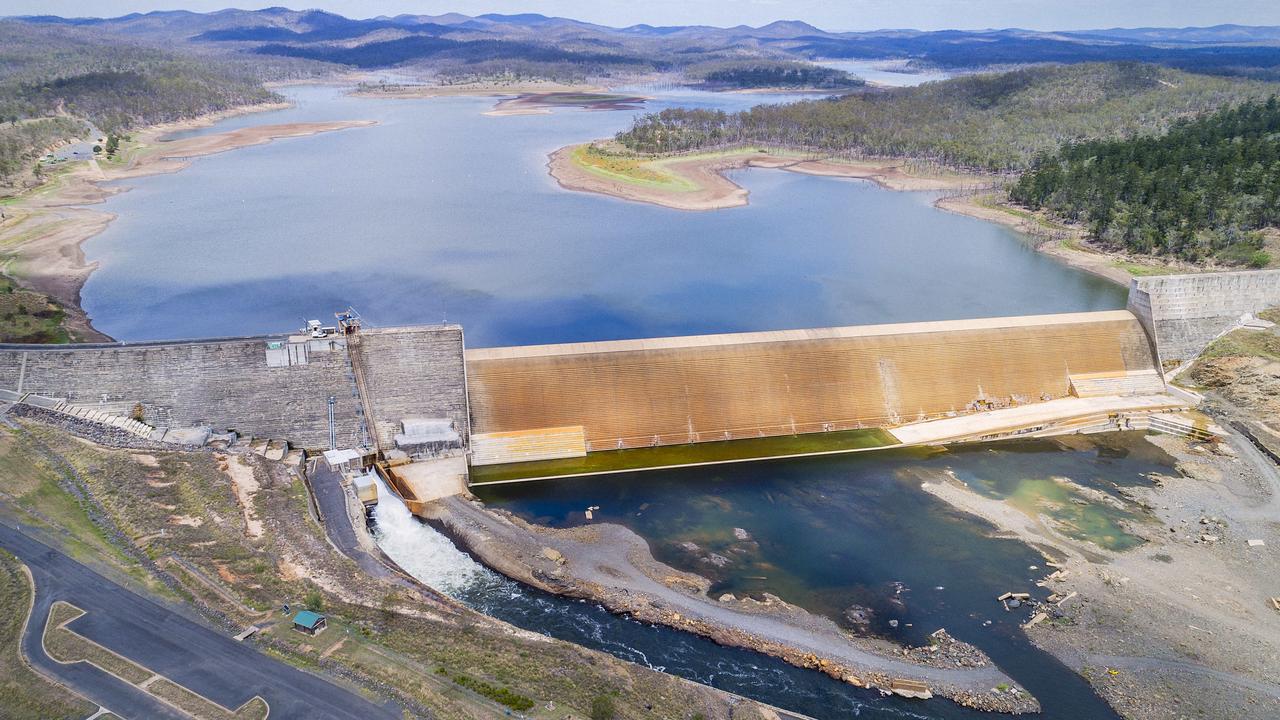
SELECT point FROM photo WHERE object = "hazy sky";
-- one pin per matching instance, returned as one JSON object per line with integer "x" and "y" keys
{"x": 827, "y": 14}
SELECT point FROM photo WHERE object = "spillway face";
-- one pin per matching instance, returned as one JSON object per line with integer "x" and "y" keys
{"x": 640, "y": 393}
{"x": 1184, "y": 313}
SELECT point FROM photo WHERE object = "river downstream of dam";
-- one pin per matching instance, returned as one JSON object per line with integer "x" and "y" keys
{"x": 439, "y": 212}
{"x": 829, "y": 534}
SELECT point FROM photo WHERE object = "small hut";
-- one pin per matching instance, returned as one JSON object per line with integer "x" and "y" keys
{"x": 309, "y": 622}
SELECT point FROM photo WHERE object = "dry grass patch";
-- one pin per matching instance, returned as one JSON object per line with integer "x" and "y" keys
{"x": 24, "y": 695}
{"x": 66, "y": 646}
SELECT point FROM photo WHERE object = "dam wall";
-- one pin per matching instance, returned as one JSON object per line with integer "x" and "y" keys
{"x": 225, "y": 384}
{"x": 663, "y": 391}
{"x": 413, "y": 372}
{"x": 1184, "y": 313}
{"x": 274, "y": 387}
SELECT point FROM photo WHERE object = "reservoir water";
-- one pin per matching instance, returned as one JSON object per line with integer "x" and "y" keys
{"x": 440, "y": 212}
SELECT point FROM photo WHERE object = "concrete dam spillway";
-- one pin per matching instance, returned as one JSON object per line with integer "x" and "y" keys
{"x": 727, "y": 396}
{"x": 665, "y": 391}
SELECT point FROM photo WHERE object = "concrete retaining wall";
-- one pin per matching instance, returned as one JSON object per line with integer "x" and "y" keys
{"x": 230, "y": 383}
{"x": 222, "y": 383}
{"x": 1184, "y": 313}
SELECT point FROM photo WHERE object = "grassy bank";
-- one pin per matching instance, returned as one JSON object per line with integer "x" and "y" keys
{"x": 24, "y": 695}
{"x": 192, "y": 513}
{"x": 629, "y": 169}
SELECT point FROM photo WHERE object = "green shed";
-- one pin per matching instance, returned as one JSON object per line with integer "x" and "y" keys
{"x": 309, "y": 622}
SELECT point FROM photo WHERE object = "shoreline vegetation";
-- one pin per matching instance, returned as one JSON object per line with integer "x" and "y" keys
{"x": 42, "y": 230}
{"x": 697, "y": 182}
{"x": 492, "y": 88}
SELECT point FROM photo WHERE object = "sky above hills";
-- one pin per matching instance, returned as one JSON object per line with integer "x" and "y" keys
{"x": 827, "y": 14}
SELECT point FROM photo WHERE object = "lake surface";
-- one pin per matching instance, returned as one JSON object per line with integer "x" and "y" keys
{"x": 889, "y": 73}
{"x": 440, "y": 212}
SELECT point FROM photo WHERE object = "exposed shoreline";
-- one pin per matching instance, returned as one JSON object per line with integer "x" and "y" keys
{"x": 392, "y": 91}
{"x": 611, "y": 565}
{"x": 1198, "y": 647}
{"x": 697, "y": 182}
{"x": 47, "y": 226}
{"x": 1066, "y": 243}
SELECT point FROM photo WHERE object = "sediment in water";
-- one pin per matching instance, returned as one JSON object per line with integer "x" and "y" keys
{"x": 611, "y": 565}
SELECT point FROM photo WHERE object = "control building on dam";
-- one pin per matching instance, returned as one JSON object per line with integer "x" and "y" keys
{"x": 415, "y": 395}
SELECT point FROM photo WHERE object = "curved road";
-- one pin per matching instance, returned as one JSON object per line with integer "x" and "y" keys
{"x": 205, "y": 661}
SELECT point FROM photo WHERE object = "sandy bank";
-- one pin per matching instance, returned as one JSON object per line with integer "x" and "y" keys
{"x": 392, "y": 91}
{"x": 543, "y": 103}
{"x": 612, "y": 565}
{"x": 1181, "y": 625}
{"x": 44, "y": 229}
{"x": 697, "y": 182}
{"x": 1067, "y": 243}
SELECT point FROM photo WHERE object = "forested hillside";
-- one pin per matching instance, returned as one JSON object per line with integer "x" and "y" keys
{"x": 764, "y": 73}
{"x": 1205, "y": 188}
{"x": 991, "y": 122}
{"x": 53, "y": 77}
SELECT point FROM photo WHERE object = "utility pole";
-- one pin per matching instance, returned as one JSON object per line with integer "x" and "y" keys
{"x": 333, "y": 430}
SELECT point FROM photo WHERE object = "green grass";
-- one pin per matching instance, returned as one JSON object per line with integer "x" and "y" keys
{"x": 1140, "y": 270}
{"x": 32, "y": 492}
{"x": 671, "y": 455}
{"x": 1245, "y": 343}
{"x": 634, "y": 170}
{"x": 29, "y": 317}
{"x": 23, "y": 694}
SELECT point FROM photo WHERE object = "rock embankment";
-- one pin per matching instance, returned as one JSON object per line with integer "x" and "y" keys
{"x": 612, "y": 565}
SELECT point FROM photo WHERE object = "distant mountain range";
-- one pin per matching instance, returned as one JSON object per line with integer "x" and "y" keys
{"x": 454, "y": 38}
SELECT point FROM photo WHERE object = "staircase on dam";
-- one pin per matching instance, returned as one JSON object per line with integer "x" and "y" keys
{"x": 109, "y": 415}
{"x": 1118, "y": 383}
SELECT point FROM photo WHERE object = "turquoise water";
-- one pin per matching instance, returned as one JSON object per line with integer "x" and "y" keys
{"x": 836, "y": 533}
{"x": 440, "y": 212}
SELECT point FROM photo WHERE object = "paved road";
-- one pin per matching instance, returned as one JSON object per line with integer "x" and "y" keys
{"x": 204, "y": 660}
{"x": 331, "y": 497}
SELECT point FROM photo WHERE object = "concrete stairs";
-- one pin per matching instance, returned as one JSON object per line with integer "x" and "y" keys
{"x": 528, "y": 445}
{"x": 105, "y": 417}
{"x": 1112, "y": 384}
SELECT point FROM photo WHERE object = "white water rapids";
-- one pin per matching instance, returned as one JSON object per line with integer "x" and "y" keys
{"x": 422, "y": 551}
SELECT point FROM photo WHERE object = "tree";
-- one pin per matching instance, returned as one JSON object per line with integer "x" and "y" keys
{"x": 602, "y": 708}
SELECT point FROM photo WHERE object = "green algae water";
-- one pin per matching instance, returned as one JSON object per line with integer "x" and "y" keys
{"x": 666, "y": 456}
{"x": 854, "y": 538}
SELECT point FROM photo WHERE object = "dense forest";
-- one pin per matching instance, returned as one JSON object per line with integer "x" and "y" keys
{"x": 53, "y": 78}
{"x": 1203, "y": 189}
{"x": 762, "y": 73}
{"x": 989, "y": 122}
{"x": 22, "y": 141}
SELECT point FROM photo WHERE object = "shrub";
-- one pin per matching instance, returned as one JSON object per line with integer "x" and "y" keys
{"x": 602, "y": 708}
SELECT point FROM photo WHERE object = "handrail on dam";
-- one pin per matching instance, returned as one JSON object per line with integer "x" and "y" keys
{"x": 194, "y": 341}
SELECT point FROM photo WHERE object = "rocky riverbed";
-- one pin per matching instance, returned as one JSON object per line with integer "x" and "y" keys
{"x": 612, "y": 565}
